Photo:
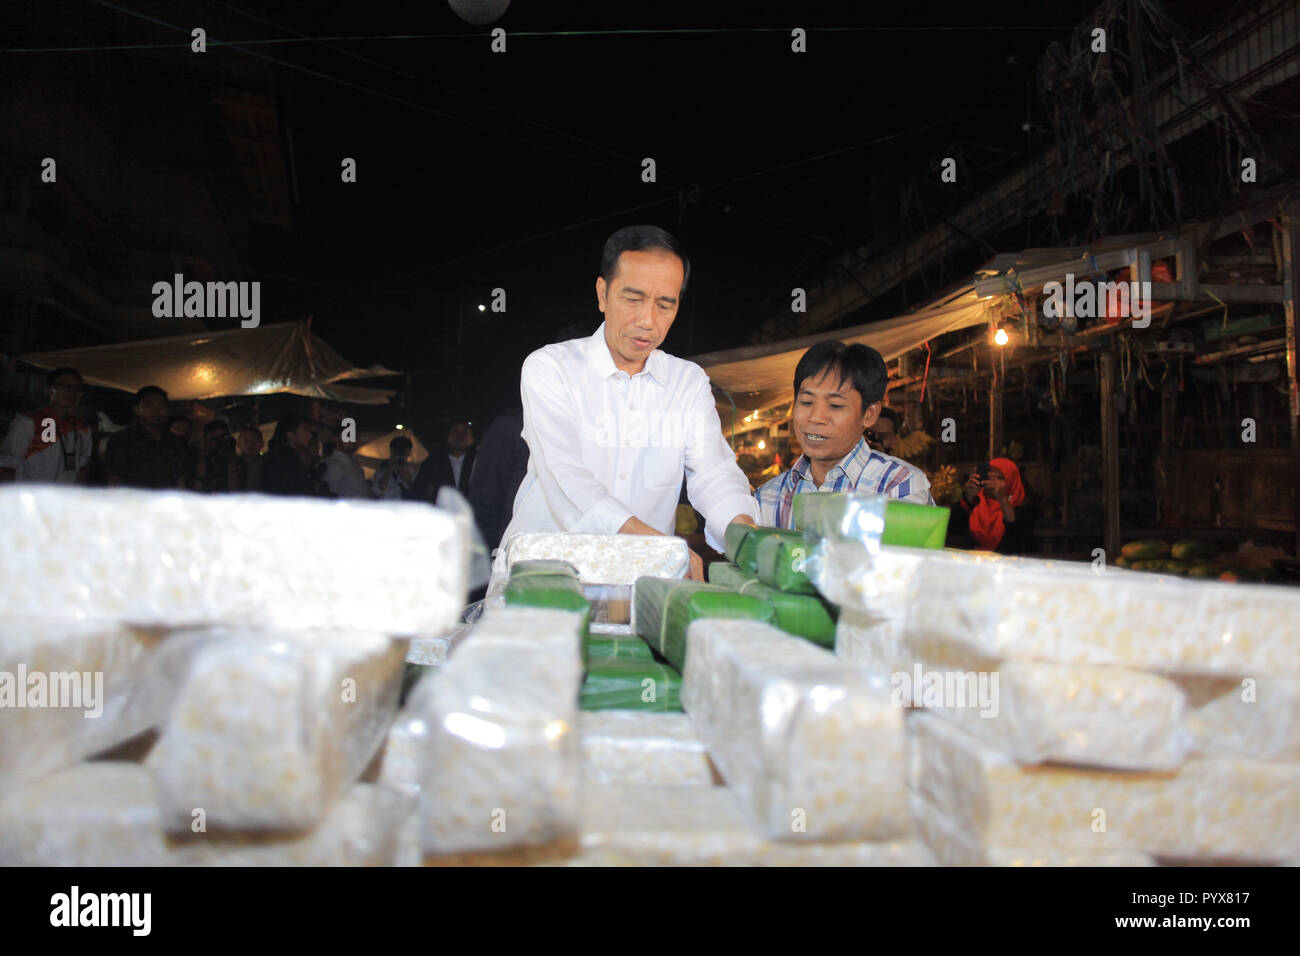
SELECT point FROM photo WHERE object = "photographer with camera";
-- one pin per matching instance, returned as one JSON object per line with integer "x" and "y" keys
{"x": 218, "y": 466}
{"x": 993, "y": 514}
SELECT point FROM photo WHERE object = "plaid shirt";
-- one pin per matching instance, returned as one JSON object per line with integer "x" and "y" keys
{"x": 862, "y": 470}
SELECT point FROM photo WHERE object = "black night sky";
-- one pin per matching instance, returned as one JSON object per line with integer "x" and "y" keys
{"x": 478, "y": 170}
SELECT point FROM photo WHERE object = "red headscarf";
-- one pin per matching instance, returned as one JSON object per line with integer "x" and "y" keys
{"x": 986, "y": 522}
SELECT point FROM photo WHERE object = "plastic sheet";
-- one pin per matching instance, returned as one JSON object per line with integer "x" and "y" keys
{"x": 106, "y": 814}
{"x": 1245, "y": 717}
{"x": 178, "y": 559}
{"x": 1036, "y": 712}
{"x": 552, "y": 584}
{"x": 802, "y": 615}
{"x": 501, "y": 766}
{"x": 630, "y": 684}
{"x": 269, "y": 728}
{"x": 702, "y": 826}
{"x": 665, "y": 610}
{"x": 1234, "y": 809}
{"x": 810, "y": 750}
{"x": 1070, "y": 613}
{"x": 906, "y": 523}
{"x": 631, "y": 749}
{"x": 604, "y": 558}
{"x": 873, "y": 645}
{"x": 65, "y": 687}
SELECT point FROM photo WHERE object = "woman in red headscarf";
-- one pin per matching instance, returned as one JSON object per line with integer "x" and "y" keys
{"x": 993, "y": 510}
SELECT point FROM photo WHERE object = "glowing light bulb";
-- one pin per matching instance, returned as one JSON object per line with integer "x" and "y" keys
{"x": 761, "y": 444}
{"x": 1001, "y": 337}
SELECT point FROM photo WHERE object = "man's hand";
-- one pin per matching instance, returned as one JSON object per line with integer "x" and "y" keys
{"x": 696, "y": 572}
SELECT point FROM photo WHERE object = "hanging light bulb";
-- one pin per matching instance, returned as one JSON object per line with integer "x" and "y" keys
{"x": 1001, "y": 337}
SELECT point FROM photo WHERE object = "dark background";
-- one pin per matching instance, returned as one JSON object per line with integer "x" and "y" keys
{"x": 479, "y": 170}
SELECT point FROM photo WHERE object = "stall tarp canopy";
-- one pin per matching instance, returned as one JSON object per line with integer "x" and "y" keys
{"x": 756, "y": 377}
{"x": 281, "y": 357}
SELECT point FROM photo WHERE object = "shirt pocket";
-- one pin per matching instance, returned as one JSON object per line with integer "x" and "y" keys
{"x": 662, "y": 467}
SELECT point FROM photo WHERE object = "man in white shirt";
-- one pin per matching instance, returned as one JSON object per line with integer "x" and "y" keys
{"x": 51, "y": 444}
{"x": 344, "y": 475}
{"x": 613, "y": 424}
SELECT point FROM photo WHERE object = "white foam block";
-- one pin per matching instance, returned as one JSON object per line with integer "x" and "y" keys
{"x": 1036, "y": 712}
{"x": 978, "y": 799}
{"x": 1050, "y": 611}
{"x": 703, "y": 826}
{"x": 269, "y": 728}
{"x": 811, "y": 751}
{"x": 68, "y": 689}
{"x": 604, "y": 558}
{"x": 1246, "y": 717}
{"x": 637, "y": 748}
{"x": 106, "y": 814}
{"x": 177, "y": 559}
{"x": 501, "y": 766}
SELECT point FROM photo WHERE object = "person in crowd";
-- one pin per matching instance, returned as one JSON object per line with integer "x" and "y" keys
{"x": 146, "y": 454}
{"x": 451, "y": 465}
{"x": 994, "y": 514}
{"x": 218, "y": 467}
{"x": 613, "y": 423}
{"x": 286, "y": 470}
{"x": 182, "y": 428}
{"x": 53, "y": 443}
{"x": 838, "y": 393}
{"x": 395, "y": 478}
{"x": 888, "y": 427}
{"x": 249, "y": 447}
{"x": 343, "y": 476}
{"x": 499, "y": 470}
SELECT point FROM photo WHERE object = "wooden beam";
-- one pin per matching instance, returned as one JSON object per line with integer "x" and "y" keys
{"x": 1110, "y": 456}
{"x": 1291, "y": 282}
{"x": 1208, "y": 292}
{"x": 995, "y": 417}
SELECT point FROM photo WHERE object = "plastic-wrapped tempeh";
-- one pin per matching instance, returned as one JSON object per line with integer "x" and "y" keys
{"x": 625, "y": 683}
{"x": 810, "y": 750}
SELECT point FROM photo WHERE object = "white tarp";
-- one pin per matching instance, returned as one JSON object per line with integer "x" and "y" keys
{"x": 281, "y": 357}
{"x": 760, "y": 376}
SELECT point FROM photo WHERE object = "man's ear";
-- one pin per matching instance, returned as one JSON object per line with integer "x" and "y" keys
{"x": 871, "y": 415}
{"x": 601, "y": 289}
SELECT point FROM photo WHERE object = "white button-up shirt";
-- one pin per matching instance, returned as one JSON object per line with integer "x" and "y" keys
{"x": 605, "y": 446}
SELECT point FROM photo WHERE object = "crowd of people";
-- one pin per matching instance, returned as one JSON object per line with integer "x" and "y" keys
{"x": 159, "y": 450}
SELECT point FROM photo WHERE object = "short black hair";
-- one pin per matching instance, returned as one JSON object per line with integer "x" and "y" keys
{"x": 641, "y": 239}
{"x": 213, "y": 425}
{"x": 148, "y": 390}
{"x": 401, "y": 441}
{"x": 54, "y": 374}
{"x": 287, "y": 424}
{"x": 895, "y": 416}
{"x": 859, "y": 365}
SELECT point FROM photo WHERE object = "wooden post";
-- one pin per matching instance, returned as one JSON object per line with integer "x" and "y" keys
{"x": 1167, "y": 478}
{"x": 1110, "y": 455}
{"x": 995, "y": 412}
{"x": 1291, "y": 283}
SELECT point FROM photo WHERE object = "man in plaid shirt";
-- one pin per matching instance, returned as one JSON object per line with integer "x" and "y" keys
{"x": 838, "y": 393}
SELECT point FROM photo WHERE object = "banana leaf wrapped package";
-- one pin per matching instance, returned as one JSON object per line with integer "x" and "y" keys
{"x": 781, "y": 562}
{"x": 617, "y": 645}
{"x": 743, "y": 543}
{"x": 624, "y": 683}
{"x": 666, "y": 607}
{"x": 907, "y": 524}
{"x": 551, "y": 584}
{"x": 802, "y": 615}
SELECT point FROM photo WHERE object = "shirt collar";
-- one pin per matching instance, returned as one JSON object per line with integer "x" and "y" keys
{"x": 602, "y": 363}
{"x": 851, "y": 464}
